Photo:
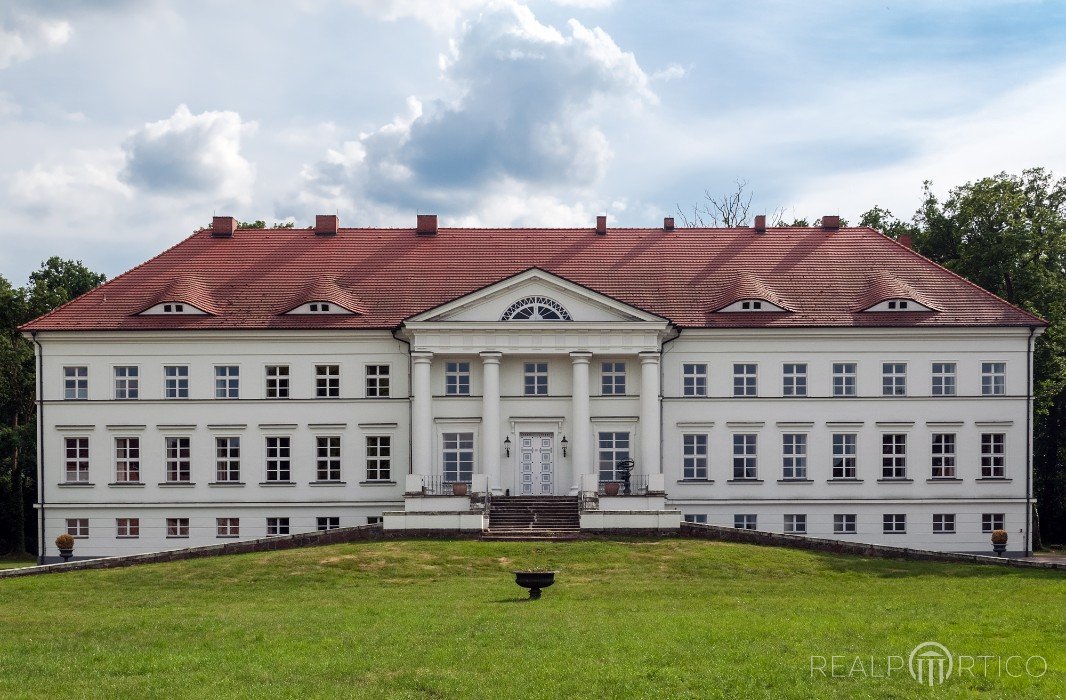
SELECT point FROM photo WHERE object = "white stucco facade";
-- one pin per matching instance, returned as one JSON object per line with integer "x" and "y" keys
{"x": 492, "y": 398}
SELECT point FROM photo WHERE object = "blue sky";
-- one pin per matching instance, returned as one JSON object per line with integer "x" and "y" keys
{"x": 125, "y": 124}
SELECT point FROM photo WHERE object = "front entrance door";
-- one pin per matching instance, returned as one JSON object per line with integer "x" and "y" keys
{"x": 536, "y": 469}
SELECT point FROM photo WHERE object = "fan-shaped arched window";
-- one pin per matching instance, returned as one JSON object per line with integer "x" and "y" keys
{"x": 536, "y": 309}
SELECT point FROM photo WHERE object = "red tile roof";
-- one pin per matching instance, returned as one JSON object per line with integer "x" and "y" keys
{"x": 745, "y": 286}
{"x": 253, "y": 278}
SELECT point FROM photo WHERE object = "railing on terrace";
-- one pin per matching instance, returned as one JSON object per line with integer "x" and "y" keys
{"x": 437, "y": 485}
{"x": 638, "y": 486}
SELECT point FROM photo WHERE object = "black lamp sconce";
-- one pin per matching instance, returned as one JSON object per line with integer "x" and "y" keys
{"x": 507, "y": 446}
{"x": 563, "y": 443}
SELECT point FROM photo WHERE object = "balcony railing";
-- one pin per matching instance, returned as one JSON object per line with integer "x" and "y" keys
{"x": 638, "y": 486}
{"x": 437, "y": 485}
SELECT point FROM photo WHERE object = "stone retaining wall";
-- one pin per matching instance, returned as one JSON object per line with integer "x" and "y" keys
{"x": 266, "y": 544}
{"x": 773, "y": 539}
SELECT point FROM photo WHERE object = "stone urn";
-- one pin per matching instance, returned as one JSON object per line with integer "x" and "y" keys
{"x": 65, "y": 545}
{"x": 534, "y": 581}
{"x": 999, "y": 542}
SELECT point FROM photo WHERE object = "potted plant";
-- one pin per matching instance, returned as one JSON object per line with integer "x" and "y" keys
{"x": 611, "y": 488}
{"x": 534, "y": 580}
{"x": 459, "y": 489}
{"x": 999, "y": 542}
{"x": 65, "y": 543}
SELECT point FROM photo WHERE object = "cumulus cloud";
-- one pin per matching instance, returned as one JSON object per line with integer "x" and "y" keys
{"x": 191, "y": 153}
{"x": 24, "y": 35}
{"x": 85, "y": 185}
{"x": 524, "y": 122}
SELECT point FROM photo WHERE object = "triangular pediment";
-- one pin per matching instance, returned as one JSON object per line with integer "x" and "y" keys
{"x": 536, "y": 295}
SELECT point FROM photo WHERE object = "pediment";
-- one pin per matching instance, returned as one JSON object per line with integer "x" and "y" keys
{"x": 535, "y": 296}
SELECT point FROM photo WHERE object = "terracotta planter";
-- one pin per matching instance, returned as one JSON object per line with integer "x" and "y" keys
{"x": 611, "y": 488}
{"x": 459, "y": 489}
{"x": 534, "y": 581}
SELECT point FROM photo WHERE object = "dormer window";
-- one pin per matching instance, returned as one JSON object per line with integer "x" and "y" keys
{"x": 899, "y": 305}
{"x": 173, "y": 308}
{"x": 320, "y": 307}
{"x": 751, "y": 305}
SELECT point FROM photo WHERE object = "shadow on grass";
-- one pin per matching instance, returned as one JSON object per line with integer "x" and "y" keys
{"x": 904, "y": 568}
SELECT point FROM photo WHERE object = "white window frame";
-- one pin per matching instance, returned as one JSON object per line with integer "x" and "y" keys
{"x": 227, "y": 527}
{"x": 993, "y": 378}
{"x": 794, "y": 379}
{"x": 845, "y": 379}
{"x": 893, "y": 378}
{"x": 612, "y": 378}
{"x": 176, "y": 383}
{"x": 795, "y": 524}
{"x": 993, "y": 455}
{"x": 78, "y": 528}
{"x": 694, "y": 379}
{"x": 228, "y": 459}
{"x": 535, "y": 378}
{"x": 177, "y": 528}
{"x": 127, "y": 382}
{"x": 127, "y": 459}
{"x": 845, "y": 456}
{"x": 80, "y": 459}
{"x": 328, "y": 458}
{"x": 458, "y": 456}
{"x": 943, "y": 456}
{"x": 794, "y": 456}
{"x": 277, "y": 378}
{"x": 127, "y": 528}
{"x": 327, "y": 381}
{"x": 378, "y": 462}
{"x": 894, "y": 523}
{"x": 378, "y": 382}
{"x": 612, "y": 447}
{"x": 698, "y": 518}
{"x": 277, "y": 526}
{"x": 278, "y": 460}
{"x": 745, "y": 379}
{"x": 76, "y": 383}
{"x": 845, "y": 523}
{"x": 990, "y": 522}
{"x": 745, "y": 456}
{"x": 944, "y": 523}
{"x": 325, "y": 523}
{"x": 944, "y": 379}
{"x": 457, "y": 379}
{"x": 893, "y": 456}
{"x": 227, "y": 381}
{"x": 745, "y": 521}
{"x": 695, "y": 456}
{"x": 174, "y": 465}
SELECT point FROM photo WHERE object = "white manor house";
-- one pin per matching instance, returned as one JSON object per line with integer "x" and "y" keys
{"x": 824, "y": 381}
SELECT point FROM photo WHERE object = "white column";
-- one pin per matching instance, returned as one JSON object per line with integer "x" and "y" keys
{"x": 490, "y": 418}
{"x": 580, "y": 428}
{"x": 421, "y": 414}
{"x": 649, "y": 414}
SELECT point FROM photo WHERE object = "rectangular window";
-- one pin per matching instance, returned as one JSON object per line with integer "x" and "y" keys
{"x": 795, "y": 524}
{"x": 457, "y": 378}
{"x": 943, "y": 379}
{"x": 127, "y": 460}
{"x": 613, "y": 448}
{"x": 744, "y": 380}
{"x": 991, "y": 521}
{"x": 126, "y": 383}
{"x": 175, "y": 382}
{"x": 893, "y": 379}
{"x": 331, "y": 522}
{"x": 377, "y": 381}
{"x": 993, "y": 456}
{"x": 327, "y": 381}
{"x": 278, "y": 454}
{"x": 744, "y": 521}
{"x": 178, "y": 466}
{"x": 943, "y": 455}
{"x": 844, "y": 456}
{"x": 700, "y": 518}
{"x": 78, "y": 527}
{"x": 378, "y": 458}
{"x": 613, "y": 378}
{"x": 993, "y": 378}
{"x": 745, "y": 458}
{"x": 894, "y": 456}
{"x": 227, "y": 527}
{"x": 695, "y": 456}
{"x": 177, "y": 527}
{"x": 894, "y": 523}
{"x": 844, "y": 378}
{"x": 228, "y": 459}
{"x": 227, "y": 382}
{"x": 795, "y": 379}
{"x": 458, "y": 458}
{"x": 77, "y": 460}
{"x": 75, "y": 383}
{"x": 277, "y": 382}
{"x": 328, "y": 458}
{"x": 127, "y": 528}
{"x": 944, "y": 522}
{"x": 694, "y": 379}
{"x": 373, "y": 520}
{"x": 844, "y": 524}
{"x": 794, "y": 456}
{"x": 277, "y": 526}
{"x": 535, "y": 379}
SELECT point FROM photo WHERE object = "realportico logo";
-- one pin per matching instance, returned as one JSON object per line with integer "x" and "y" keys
{"x": 929, "y": 663}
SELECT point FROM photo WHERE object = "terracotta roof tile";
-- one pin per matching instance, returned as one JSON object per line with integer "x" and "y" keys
{"x": 253, "y": 278}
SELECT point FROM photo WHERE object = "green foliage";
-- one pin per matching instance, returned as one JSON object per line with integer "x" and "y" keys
{"x": 259, "y": 223}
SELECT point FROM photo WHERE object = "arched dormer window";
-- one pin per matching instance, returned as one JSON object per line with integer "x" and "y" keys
{"x": 536, "y": 309}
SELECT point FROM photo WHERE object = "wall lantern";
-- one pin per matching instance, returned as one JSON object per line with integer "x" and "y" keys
{"x": 507, "y": 446}
{"x": 563, "y": 443}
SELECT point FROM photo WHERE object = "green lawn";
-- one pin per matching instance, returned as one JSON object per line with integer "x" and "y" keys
{"x": 675, "y": 618}
{"x": 16, "y": 562}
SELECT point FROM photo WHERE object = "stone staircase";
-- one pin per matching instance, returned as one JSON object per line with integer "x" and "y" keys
{"x": 534, "y": 518}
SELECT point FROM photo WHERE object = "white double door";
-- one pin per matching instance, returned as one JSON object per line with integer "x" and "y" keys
{"x": 536, "y": 464}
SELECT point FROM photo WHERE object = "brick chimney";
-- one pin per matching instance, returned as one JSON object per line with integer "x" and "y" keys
{"x": 906, "y": 241}
{"x": 601, "y": 225}
{"x": 223, "y": 226}
{"x": 760, "y": 223}
{"x": 326, "y": 224}
{"x": 831, "y": 223}
{"x": 427, "y": 225}
{"x": 668, "y": 223}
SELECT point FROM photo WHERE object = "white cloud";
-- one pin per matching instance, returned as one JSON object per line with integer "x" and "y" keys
{"x": 84, "y": 186}
{"x": 524, "y": 125}
{"x": 191, "y": 153}
{"x": 671, "y": 72}
{"x": 441, "y": 15}
{"x": 8, "y": 107}
{"x": 23, "y": 36}
{"x": 585, "y": 4}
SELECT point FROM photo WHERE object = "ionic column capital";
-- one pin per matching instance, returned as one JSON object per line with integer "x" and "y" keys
{"x": 491, "y": 357}
{"x": 649, "y": 356}
{"x": 581, "y": 357}
{"x": 421, "y": 356}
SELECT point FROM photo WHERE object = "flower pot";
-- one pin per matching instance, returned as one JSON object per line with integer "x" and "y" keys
{"x": 534, "y": 581}
{"x": 611, "y": 488}
{"x": 999, "y": 549}
{"x": 459, "y": 489}
{"x": 66, "y": 554}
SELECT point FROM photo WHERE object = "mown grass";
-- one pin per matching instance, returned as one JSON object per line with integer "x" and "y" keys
{"x": 672, "y": 618}
{"x": 10, "y": 562}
